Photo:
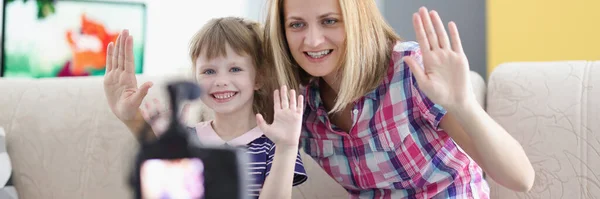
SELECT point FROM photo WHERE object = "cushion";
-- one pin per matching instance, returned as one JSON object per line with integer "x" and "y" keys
{"x": 7, "y": 190}
{"x": 551, "y": 109}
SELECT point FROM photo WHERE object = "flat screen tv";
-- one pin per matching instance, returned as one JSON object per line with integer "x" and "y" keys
{"x": 61, "y": 38}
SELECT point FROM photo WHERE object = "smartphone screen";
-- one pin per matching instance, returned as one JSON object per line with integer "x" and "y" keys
{"x": 172, "y": 178}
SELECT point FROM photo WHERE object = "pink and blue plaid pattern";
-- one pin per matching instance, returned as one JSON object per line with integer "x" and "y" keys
{"x": 395, "y": 148}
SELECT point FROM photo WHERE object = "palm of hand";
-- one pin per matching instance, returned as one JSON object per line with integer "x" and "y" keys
{"x": 444, "y": 76}
{"x": 285, "y": 128}
{"x": 120, "y": 87}
{"x": 120, "y": 84}
{"x": 447, "y": 85}
{"x": 287, "y": 122}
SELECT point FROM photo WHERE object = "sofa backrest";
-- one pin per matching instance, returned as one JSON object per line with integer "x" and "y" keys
{"x": 553, "y": 110}
{"x": 63, "y": 140}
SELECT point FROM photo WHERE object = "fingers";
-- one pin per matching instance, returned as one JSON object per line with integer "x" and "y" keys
{"x": 429, "y": 30}
{"x": 284, "y": 99}
{"x": 115, "y": 54}
{"x": 276, "y": 100}
{"x": 440, "y": 30}
{"x": 416, "y": 69}
{"x": 420, "y": 33}
{"x": 293, "y": 102}
{"x": 285, "y": 103}
{"x": 129, "y": 59}
{"x": 143, "y": 91}
{"x": 109, "y": 55}
{"x": 300, "y": 108}
{"x": 159, "y": 107}
{"x": 121, "y": 47}
{"x": 456, "y": 43}
{"x": 155, "y": 108}
{"x": 145, "y": 113}
{"x": 149, "y": 112}
{"x": 262, "y": 124}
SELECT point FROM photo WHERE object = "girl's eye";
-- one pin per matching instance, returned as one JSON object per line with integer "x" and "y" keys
{"x": 235, "y": 69}
{"x": 208, "y": 71}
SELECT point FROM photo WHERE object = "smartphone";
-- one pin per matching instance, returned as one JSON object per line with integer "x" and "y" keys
{"x": 173, "y": 167}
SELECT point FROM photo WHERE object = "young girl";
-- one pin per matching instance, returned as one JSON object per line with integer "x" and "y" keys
{"x": 387, "y": 118}
{"x": 228, "y": 66}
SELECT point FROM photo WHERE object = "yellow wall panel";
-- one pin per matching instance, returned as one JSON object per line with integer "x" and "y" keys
{"x": 542, "y": 30}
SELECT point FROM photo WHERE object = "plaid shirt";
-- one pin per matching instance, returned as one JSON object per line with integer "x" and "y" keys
{"x": 395, "y": 148}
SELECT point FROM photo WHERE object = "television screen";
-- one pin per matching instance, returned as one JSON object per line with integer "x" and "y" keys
{"x": 63, "y": 38}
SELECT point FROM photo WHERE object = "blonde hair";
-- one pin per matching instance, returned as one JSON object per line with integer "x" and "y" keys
{"x": 364, "y": 62}
{"x": 245, "y": 38}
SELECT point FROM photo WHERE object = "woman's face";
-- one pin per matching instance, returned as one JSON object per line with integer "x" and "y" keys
{"x": 315, "y": 34}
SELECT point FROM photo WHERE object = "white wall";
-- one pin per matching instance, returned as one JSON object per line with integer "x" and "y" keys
{"x": 256, "y": 9}
{"x": 172, "y": 23}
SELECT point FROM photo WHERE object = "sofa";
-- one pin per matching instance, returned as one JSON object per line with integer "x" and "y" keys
{"x": 64, "y": 142}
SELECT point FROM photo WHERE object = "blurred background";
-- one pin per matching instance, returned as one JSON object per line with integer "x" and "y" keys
{"x": 47, "y": 38}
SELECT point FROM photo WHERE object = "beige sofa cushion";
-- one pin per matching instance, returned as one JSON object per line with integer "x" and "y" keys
{"x": 479, "y": 87}
{"x": 552, "y": 109}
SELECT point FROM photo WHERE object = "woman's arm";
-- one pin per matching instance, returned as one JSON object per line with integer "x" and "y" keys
{"x": 443, "y": 75}
{"x": 486, "y": 142}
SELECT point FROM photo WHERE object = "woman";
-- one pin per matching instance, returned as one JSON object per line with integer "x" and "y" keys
{"x": 384, "y": 117}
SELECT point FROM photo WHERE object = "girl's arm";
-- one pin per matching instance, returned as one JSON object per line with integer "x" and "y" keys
{"x": 279, "y": 181}
{"x": 285, "y": 133}
{"x": 136, "y": 125}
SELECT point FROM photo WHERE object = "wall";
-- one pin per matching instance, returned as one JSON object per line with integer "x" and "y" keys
{"x": 469, "y": 15}
{"x": 167, "y": 41}
{"x": 172, "y": 23}
{"x": 542, "y": 30}
{"x": 257, "y": 9}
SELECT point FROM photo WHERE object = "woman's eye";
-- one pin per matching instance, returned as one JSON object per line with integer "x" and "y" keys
{"x": 329, "y": 21}
{"x": 296, "y": 25}
{"x": 209, "y": 72}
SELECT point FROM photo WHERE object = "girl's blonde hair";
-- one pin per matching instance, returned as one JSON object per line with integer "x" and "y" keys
{"x": 245, "y": 38}
{"x": 369, "y": 41}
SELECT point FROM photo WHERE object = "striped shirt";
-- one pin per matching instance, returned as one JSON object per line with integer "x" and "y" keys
{"x": 395, "y": 147}
{"x": 260, "y": 150}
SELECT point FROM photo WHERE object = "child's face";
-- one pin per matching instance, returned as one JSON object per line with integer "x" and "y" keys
{"x": 228, "y": 83}
{"x": 315, "y": 34}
